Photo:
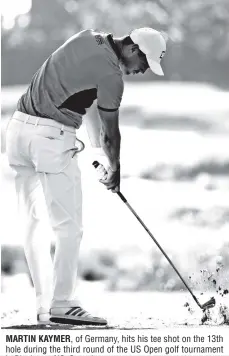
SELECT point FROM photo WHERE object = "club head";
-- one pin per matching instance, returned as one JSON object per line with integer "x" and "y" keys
{"x": 209, "y": 304}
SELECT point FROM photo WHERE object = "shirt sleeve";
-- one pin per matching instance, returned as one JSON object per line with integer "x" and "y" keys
{"x": 110, "y": 91}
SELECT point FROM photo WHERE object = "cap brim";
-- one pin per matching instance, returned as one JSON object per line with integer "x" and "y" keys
{"x": 155, "y": 67}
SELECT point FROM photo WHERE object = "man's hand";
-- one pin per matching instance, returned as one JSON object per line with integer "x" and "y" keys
{"x": 111, "y": 179}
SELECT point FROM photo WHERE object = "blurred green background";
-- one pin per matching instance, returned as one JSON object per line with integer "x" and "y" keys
{"x": 198, "y": 31}
{"x": 175, "y": 152}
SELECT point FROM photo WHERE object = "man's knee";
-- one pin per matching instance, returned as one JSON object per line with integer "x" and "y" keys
{"x": 69, "y": 229}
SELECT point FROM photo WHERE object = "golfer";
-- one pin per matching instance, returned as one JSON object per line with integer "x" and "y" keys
{"x": 42, "y": 148}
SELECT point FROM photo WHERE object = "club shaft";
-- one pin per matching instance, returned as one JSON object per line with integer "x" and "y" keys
{"x": 158, "y": 245}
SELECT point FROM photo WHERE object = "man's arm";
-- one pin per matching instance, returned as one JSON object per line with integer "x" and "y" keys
{"x": 93, "y": 126}
{"x": 110, "y": 137}
{"x": 110, "y": 90}
{"x": 110, "y": 140}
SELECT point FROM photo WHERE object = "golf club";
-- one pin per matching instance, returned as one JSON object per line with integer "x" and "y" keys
{"x": 210, "y": 303}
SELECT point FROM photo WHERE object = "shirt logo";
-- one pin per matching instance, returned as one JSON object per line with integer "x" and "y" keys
{"x": 162, "y": 54}
{"x": 99, "y": 39}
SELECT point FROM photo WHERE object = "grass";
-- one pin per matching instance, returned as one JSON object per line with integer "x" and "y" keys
{"x": 123, "y": 310}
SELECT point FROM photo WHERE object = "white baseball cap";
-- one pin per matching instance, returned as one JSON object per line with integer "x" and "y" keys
{"x": 152, "y": 44}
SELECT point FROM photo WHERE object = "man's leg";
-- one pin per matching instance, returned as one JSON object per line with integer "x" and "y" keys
{"x": 37, "y": 248}
{"x": 64, "y": 201}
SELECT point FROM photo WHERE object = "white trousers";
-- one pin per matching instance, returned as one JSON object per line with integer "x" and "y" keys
{"x": 41, "y": 152}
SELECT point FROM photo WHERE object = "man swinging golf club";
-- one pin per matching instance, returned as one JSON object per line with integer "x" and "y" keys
{"x": 41, "y": 145}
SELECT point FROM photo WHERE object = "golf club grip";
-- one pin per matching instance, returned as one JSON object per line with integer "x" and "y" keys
{"x": 96, "y": 165}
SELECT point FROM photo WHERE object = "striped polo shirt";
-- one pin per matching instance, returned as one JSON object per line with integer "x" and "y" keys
{"x": 84, "y": 68}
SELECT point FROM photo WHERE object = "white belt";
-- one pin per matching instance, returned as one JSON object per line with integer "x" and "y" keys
{"x": 36, "y": 120}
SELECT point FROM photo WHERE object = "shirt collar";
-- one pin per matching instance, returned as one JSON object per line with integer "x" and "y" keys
{"x": 114, "y": 46}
